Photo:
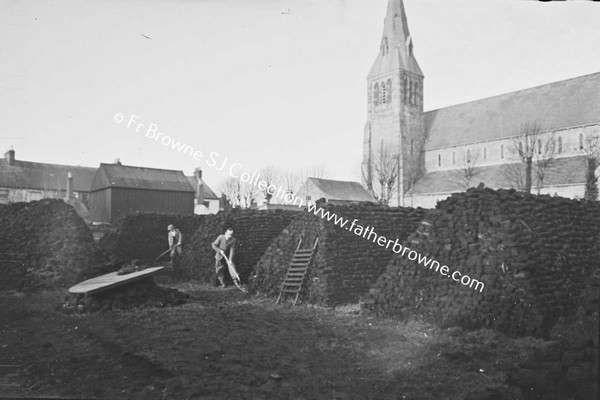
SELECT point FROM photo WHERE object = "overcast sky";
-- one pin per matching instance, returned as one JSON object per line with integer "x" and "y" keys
{"x": 261, "y": 82}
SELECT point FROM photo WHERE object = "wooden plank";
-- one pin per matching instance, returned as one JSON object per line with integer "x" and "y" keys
{"x": 109, "y": 281}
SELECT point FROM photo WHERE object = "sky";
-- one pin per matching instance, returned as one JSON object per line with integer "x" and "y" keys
{"x": 260, "y": 83}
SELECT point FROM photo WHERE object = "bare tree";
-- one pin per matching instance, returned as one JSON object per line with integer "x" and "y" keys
{"x": 232, "y": 192}
{"x": 591, "y": 152}
{"x": 270, "y": 176}
{"x": 380, "y": 175}
{"x": 536, "y": 153}
{"x": 465, "y": 175}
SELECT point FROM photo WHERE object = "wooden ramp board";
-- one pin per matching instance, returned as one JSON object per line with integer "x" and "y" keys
{"x": 109, "y": 281}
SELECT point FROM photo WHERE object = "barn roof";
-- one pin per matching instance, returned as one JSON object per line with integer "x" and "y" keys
{"x": 130, "y": 177}
{"x": 340, "y": 190}
{"x": 558, "y": 105}
{"x": 564, "y": 171}
{"x": 42, "y": 176}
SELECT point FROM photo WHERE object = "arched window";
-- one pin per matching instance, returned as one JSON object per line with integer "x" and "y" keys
{"x": 384, "y": 46}
{"x": 389, "y": 89}
{"x": 376, "y": 95}
{"x": 439, "y": 160}
{"x": 468, "y": 156}
{"x": 396, "y": 21}
{"x": 559, "y": 144}
{"x": 501, "y": 151}
{"x": 404, "y": 89}
{"x": 581, "y": 141}
{"x": 520, "y": 148}
{"x": 383, "y": 93}
{"x": 410, "y": 92}
{"x": 539, "y": 146}
{"x": 485, "y": 153}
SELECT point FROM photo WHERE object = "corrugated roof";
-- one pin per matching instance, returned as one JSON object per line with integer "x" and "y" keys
{"x": 571, "y": 171}
{"x": 341, "y": 190}
{"x": 207, "y": 192}
{"x": 557, "y": 105}
{"x": 125, "y": 176}
{"x": 42, "y": 176}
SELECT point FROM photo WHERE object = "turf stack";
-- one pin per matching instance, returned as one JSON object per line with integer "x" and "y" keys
{"x": 345, "y": 264}
{"x": 254, "y": 230}
{"x": 535, "y": 255}
{"x": 144, "y": 235}
{"x": 44, "y": 243}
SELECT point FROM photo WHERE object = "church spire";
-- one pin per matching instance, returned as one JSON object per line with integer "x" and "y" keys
{"x": 396, "y": 50}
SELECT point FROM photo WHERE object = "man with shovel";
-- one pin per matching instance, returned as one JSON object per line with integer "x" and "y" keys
{"x": 223, "y": 244}
{"x": 175, "y": 239}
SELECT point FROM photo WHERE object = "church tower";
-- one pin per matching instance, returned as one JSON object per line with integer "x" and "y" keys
{"x": 394, "y": 133}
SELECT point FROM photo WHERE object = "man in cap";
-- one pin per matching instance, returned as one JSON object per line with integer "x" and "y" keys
{"x": 175, "y": 239}
{"x": 223, "y": 244}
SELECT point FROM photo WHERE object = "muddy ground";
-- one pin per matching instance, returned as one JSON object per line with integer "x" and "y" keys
{"x": 224, "y": 344}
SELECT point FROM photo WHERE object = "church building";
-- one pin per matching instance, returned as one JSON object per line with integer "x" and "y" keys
{"x": 424, "y": 156}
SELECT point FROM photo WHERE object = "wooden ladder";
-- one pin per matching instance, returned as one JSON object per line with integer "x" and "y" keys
{"x": 296, "y": 273}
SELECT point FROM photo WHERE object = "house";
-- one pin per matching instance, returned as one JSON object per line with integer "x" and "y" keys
{"x": 205, "y": 200}
{"x": 28, "y": 181}
{"x": 118, "y": 190}
{"x": 334, "y": 192}
{"x": 440, "y": 152}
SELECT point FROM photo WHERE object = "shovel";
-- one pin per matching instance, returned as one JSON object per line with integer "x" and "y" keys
{"x": 234, "y": 274}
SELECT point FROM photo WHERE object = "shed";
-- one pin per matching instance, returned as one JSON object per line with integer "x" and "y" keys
{"x": 118, "y": 190}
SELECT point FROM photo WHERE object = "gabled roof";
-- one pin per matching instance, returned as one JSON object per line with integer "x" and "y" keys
{"x": 207, "y": 192}
{"x": 42, "y": 176}
{"x": 338, "y": 190}
{"x": 564, "y": 171}
{"x": 558, "y": 105}
{"x": 399, "y": 43}
{"x": 129, "y": 177}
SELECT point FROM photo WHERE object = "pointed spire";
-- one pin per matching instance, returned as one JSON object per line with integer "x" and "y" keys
{"x": 396, "y": 50}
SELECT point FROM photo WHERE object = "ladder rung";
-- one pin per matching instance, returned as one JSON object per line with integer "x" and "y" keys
{"x": 290, "y": 291}
{"x": 292, "y": 284}
{"x": 297, "y": 269}
{"x": 304, "y": 251}
{"x": 305, "y": 265}
{"x": 295, "y": 274}
{"x": 292, "y": 280}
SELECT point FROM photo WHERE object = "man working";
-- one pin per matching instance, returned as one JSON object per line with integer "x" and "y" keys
{"x": 175, "y": 239}
{"x": 223, "y": 244}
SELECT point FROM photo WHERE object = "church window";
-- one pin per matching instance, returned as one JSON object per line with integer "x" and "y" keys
{"x": 439, "y": 160}
{"x": 501, "y": 151}
{"x": 384, "y": 46}
{"x": 520, "y": 148}
{"x": 383, "y": 93}
{"x": 468, "y": 156}
{"x": 453, "y": 158}
{"x": 410, "y": 92}
{"x": 415, "y": 91}
{"x": 389, "y": 89}
{"x": 559, "y": 144}
{"x": 376, "y": 95}
{"x": 539, "y": 146}
{"x": 396, "y": 21}
{"x": 485, "y": 153}
{"x": 581, "y": 141}
{"x": 405, "y": 89}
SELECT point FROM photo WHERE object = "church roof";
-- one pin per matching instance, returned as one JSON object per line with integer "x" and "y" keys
{"x": 399, "y": 43}
{"x": 564, "y": 171}
{"x": 336, "y": 190}
{"x": 558, "y": 105}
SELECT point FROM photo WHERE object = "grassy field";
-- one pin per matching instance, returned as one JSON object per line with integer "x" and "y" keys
{"x": 224, "y": 344}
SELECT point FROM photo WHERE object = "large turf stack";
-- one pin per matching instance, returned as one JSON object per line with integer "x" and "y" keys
{"x": 345, "y": 264}
{"x": 254, "y": 230}
{"x": 535, "y": 255}
{"x": 44, "y": 243}
{"x": 144, "y": 235}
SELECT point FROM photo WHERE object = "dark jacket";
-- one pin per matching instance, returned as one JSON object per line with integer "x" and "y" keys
{"x": 223, "y": 244}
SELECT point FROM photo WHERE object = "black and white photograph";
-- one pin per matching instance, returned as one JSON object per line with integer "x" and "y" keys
{"x": 300, "y": 199}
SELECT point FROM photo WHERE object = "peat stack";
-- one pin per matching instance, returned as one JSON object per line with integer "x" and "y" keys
{"x": 535, "y": 255}
{"x": 44, "y": 243}
{"x": 144, "y": 235}
{"x": 253, "y": 230}
{"x": 347, "y": 262}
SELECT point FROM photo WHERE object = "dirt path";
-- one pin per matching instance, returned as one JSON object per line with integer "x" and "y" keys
{"x": 224, "y": 344}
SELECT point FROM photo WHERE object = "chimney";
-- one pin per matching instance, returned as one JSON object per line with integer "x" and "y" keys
{"x": 199, "y": 186}
{"x": 117, "y": 161}
{"x": 9, "y": 156}
{"x": 69, "y": 186}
